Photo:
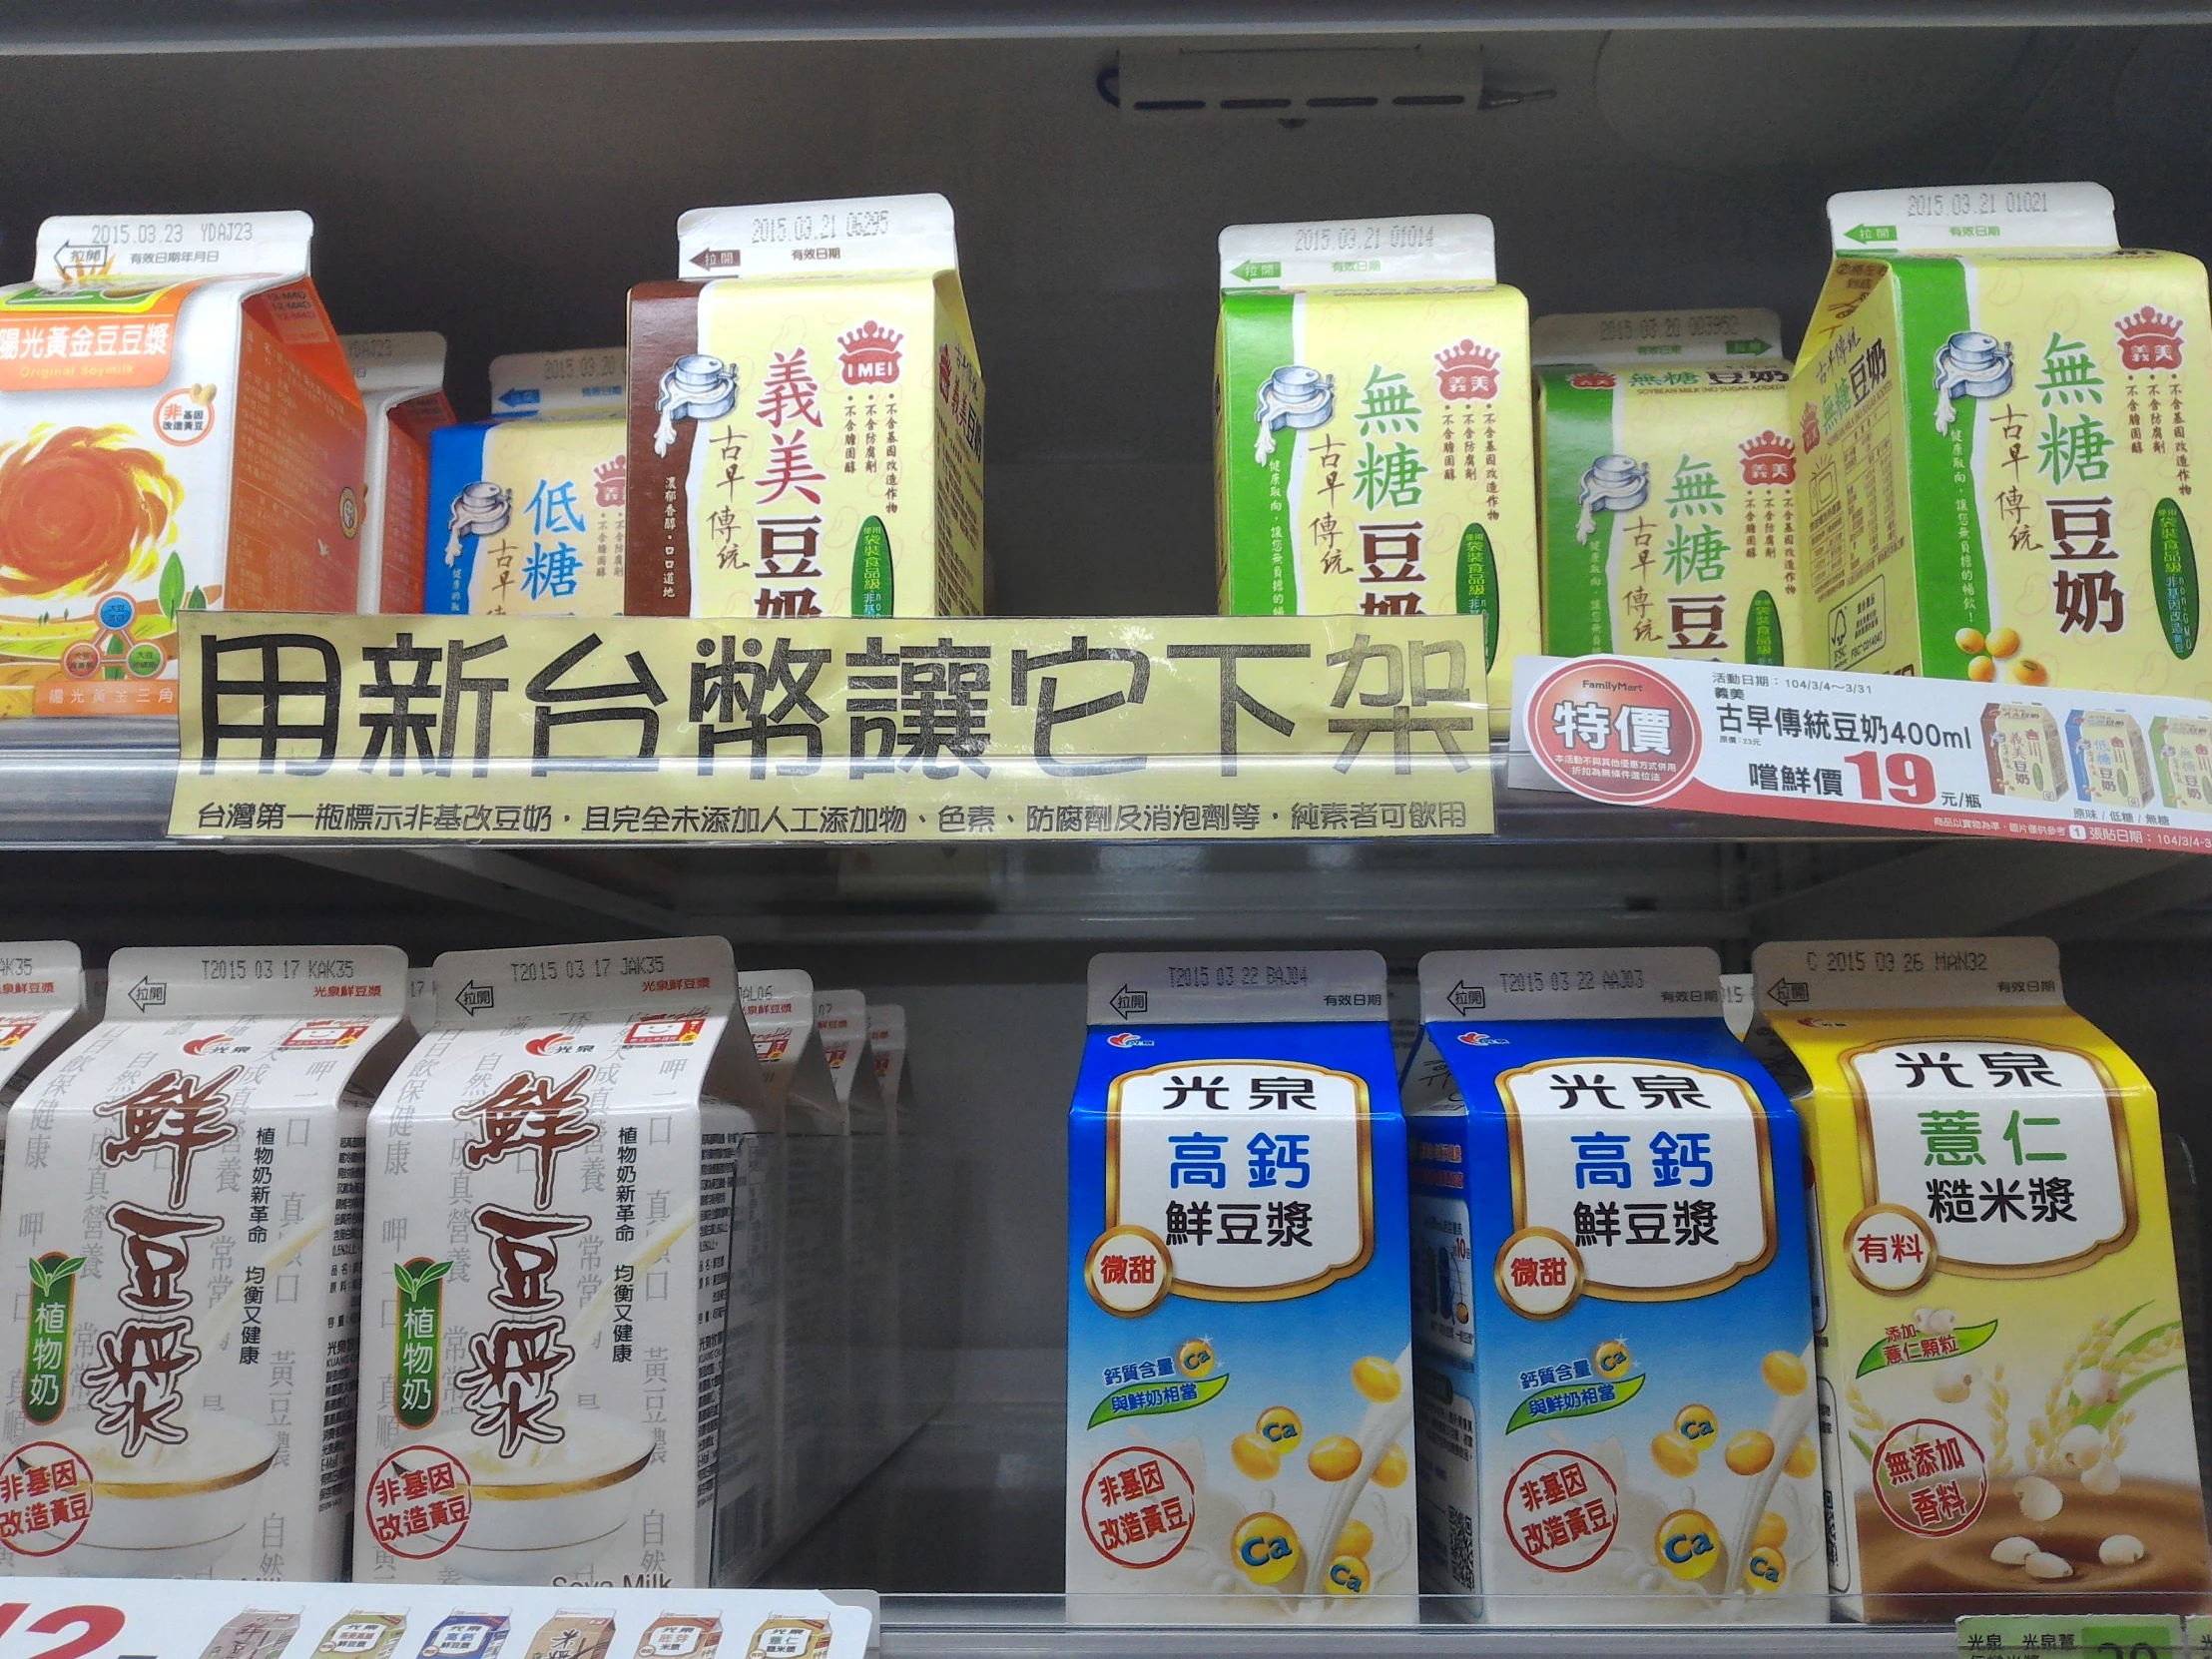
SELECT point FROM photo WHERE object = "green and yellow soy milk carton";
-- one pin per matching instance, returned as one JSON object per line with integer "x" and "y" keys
{"x": 1372, "y": 453}
{"x": 1668, "y": 474}
{"x": 1998, "y": 406}
{"x": 2004, "y": 1402}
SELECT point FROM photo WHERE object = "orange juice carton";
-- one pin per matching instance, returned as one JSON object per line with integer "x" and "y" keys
{"x": 1669, "y": 522}
{"x": 179, "y": 430}
{"x": 807, "y": 416}
{"x": 185, "y": 1189}
{"x": 402, "y": 383}
{"x": 1997, "y": 409}
{"x": 2004, "y": 1406}
{"x": 1372, "y": 447}
{"x": 527, "y": 510}
{"x": 549, "y": 1208}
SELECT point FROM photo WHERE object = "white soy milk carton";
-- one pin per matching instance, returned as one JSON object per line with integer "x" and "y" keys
{"x": 928, "y": 1278}
{"x": 871, "y": 1234}
{"x": 549, "y": 1200}
{"x": 1239, "y": 1363}
{"x": 811, "y": 1381}
{"x": 187, "y": 1189}
{"x": 43, "y": 1008}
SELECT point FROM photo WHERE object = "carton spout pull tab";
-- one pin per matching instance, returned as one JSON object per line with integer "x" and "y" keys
{"x": 1613, "y": 484}
{"x": 696, "y": 387}
{"x": 482, "y": 510}
{"x": 1970, "y": 364}
{"x": 1294, "y": 396}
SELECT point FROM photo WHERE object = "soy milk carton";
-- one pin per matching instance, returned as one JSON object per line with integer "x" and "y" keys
{"x": 527, "y": 508}
{"x": 1371, "y": 441}
{"x": 807, "y": 416}
{"x": 813, "y": 1383}
{"x": 185, "y": 1186}
{"x": 42, "y": 1008}
{"x": 1669, "y": 523}
{"x": 1613, "y": 1318}
{"x": 1998, "y": 408}
{"x": 1240, "y": 1387}
{"x": 872, "y": 1233}
{"x": 178, "y": 431}
{"x": 402, "y": 384}
{"x": 2004, "y": 1398}
{"x": 928, "y": 1276}
{"x": 550, "y": 1194}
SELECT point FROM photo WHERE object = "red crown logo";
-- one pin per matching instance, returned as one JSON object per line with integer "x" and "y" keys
{"x": 1769, "y": 458}
{"x": 868, "y": 355}
{"x": 1467, "y": 370}
{"x": 2149, "y": 338}
{"x": 1809, "y": 429}
{"x": 1594, "y": 379}
{"x": 611, "y": 481}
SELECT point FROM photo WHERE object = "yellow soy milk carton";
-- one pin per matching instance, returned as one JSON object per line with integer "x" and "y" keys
{"x": 1669, "y": 506}
{"x": 1996, "y": 405}
{"x": 527, "y": 510}
{"x": 1371, "y": 445}
{"x": 807, "y": 416}
{"x": 2003, "y": 1394}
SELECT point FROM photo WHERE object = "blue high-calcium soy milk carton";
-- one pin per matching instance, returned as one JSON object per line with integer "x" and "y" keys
{"x": 1240, "y": 1389}
{"x": 1612, "y": 1300}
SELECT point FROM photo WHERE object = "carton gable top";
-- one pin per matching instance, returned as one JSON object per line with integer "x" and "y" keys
{"x": 589, "y": 381}
{"x": 42, "y": 995}
{"x": 397, "y": 363}
{"x": 1974, "y": 220}
{"x": 779, "y": 1011}
{"x": 1253, "y": 987}
{"x": 521, "y": 989}
{"x": 1669, "y": 982}
{"x": 88, "y": 248}
{"x": 886, "y": 1040}
{"x": 840, "y": 1019}
{"x": 866, "y": 235}
{"x": 1438, "y": 251}
{"x": 367, "y": 981}
{"x": 1608, "y": 338}
{"x": 1798, "y": 975}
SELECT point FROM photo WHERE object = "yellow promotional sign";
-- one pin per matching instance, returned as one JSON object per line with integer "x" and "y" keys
{"x": 538, "y": 729}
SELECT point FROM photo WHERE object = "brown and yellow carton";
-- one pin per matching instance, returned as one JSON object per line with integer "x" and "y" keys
{"x": 2003, "y": 1394}
{"x": 1998, "y": 412}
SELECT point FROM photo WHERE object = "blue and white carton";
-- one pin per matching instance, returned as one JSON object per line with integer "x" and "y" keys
{"x": 1240, "y": 1389}
{"x": 1613, "y": 1304}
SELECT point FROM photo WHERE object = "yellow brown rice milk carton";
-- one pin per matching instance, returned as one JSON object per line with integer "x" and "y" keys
{"x": 549, "y": 1214}
{"x": 2004, "y": 1398}
{"x": 1373, "y": 450}
{"x": 185, "y": 1192}
{"x": 1997, "y": 412}
{"x": 1240, "y": 1369}
{"x": 402, "y": 383}
{"x": 813, "y": 1383}
{"x": 178, "y": 431}
{"x": 1613, "y": 1318}
{"x": 1668, "y": 473}
{"x": 526, "y": 514}
{"x": 807, "y": 416}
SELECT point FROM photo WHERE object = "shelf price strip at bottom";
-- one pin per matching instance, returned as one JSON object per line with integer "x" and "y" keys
{"x": 670, "y": 730}
{"x": 1884, "y": 750}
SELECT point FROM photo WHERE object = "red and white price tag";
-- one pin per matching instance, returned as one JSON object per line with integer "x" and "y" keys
{"x": 1884, "y": 750}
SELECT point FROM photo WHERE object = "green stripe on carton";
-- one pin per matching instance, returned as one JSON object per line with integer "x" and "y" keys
{"x": 1262, "y": 569}
{"x": 1951, "y": 567}
{"x": 1577, "y": 428}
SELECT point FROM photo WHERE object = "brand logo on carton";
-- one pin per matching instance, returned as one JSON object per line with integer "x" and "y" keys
{"x": 661, "y": 1033}
{"x": 611, "y": 481}
{"x": 1128, "y": 1039}
{"x": 1467, "y": 370}
{"x": 1593, "y": 381}
{"x": 557, "y": 1042}
{"x": 1769, "y": 458}
{"x": 325, "y": 1033}
{"x": 1809, "y": 428}
{"x": 221, "y": 1042}
{"x": 2149, "y": 338}
{"x": 869, "y": 356}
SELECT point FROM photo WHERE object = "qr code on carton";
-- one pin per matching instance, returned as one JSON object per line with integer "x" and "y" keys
{"x": 1462, "y": 1545}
